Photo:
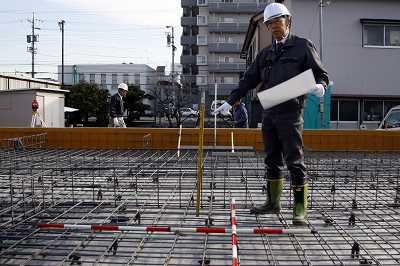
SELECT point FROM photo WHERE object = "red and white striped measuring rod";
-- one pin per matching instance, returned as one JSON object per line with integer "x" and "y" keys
{"x": 180, "y": 229}
{"x": 235, "y": 260}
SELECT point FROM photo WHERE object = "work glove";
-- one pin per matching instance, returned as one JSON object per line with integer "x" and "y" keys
{"x": 223, "y": 109}
{"x": 318, "y": 90}
{"x": 115, "y": 121}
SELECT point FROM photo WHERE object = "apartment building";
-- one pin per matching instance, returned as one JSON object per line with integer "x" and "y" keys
{"x": 212, "y": 42}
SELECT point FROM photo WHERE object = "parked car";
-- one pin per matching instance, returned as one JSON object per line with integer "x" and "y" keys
{"x": 188, "y": 112}
{"x": 391, "y": 120}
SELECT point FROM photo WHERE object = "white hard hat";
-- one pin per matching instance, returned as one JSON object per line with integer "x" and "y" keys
{"x": 275, "y": 10}
{"x": 123, "y": 86}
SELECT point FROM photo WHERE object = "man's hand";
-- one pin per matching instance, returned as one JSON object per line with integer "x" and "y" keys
{"x": 318, "y": 90}
{"x": 115, "y": 121}
{"x": 223, "y": 109}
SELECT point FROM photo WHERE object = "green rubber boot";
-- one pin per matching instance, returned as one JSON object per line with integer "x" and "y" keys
{"x": 271, "y": 204}
{"x": 300, "y": 193}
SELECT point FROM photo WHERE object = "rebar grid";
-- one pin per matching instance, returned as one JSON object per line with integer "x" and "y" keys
{"x": 353, "y": 204}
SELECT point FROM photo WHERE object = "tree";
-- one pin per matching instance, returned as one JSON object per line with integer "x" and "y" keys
{"x": 91, "y": 100}
{"x": 169, "y": 94}
{"x": 133, "y": 105}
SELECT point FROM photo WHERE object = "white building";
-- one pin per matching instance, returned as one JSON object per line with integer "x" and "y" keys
{"x": 108, "y": 76}
{"x": 17, "y": 94}
{"x": 16, "y": 108}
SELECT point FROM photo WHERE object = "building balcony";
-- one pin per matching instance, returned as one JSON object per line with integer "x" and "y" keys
{"x": 188, "y": 21}
{"x": 237, "y": 7}
{"x": 225, "y": 47}
{"x": 187, "y": 78}
{"x": 188, "y": 59}
{"x": 226, "y": 67}
{"x": 187, "y": 3}
{"x": 236, "y": 27}
{"x": 188, "y": 40}
{"x": 223, "y": 89}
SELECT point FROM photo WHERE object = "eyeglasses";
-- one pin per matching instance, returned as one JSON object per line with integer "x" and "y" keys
{"x": 276, "y": 22}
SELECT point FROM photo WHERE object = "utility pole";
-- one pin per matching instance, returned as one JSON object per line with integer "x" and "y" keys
{"x": 170, "y": 43}
{"x": 61, "y": 24}
{"x": 321, "y": 40}
{"x": 32, "y": 39}
{"x": 321, "y": 104}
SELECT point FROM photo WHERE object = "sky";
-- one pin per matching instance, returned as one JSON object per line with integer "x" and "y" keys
{"x": 95, "y": 32}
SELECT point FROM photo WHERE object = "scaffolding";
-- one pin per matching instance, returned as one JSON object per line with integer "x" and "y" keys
{"x": 353, "y": 208}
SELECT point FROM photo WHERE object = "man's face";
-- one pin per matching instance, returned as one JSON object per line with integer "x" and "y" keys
{"x": 122, "y": 92}
{"x": 278, "y": 27}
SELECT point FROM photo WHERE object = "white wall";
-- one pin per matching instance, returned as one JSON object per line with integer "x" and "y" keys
{"x": 355, "y": 70}
{"x": 16, "y": 108}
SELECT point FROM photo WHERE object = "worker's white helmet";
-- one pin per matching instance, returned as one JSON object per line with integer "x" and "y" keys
{"x": 123, "y": 86}
{"x": 275, "y": 10}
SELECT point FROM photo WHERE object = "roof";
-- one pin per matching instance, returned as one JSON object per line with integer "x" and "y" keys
{"x": 250, "y": 32}
{"x": 35, "y": 89}
{"x": 41, "y": 80}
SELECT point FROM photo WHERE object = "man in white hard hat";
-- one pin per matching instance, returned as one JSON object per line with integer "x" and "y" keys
{"x": 282, "y": 124}
{"x": 116, "y": 110}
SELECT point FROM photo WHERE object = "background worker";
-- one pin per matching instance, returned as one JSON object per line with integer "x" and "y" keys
{"x": 116, "y": 109}
{"x": 240, "y": 116}
{"x": 282, "y": 124}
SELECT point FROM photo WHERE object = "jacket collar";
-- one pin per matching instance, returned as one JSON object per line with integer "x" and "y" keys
{"x": 289, "y": 42}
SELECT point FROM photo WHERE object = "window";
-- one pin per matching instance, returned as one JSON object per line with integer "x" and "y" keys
{"x": 114, "y": 82}
{"x": 373, "y": 35}
{"x": 92, "y": 76}
{"x": 103, "y": 81}
{"x": 389, "y": 105}
{"x": 381, "y": 33}
{"x": 201, "y": 2}
{"x": 81, "y": 77}
{"x": 201, "y": 40}
{"x": 201, "y": 80}
{"x": 254, "y": 54}
{"x": 373, "y": 110}
{"x": 126, "y": 78}
{"x": 201, "y": 20}
{"x": 226, "y": 80}
{"x": 224, "y": 39}
{"x": 348, "y": 110}
{"x": 392, "y": 35}
{"x": 226, "y": 1}
{"x": 226, "y": 59}
{"x": 334, "y": 110}
{"x": 227, "y": 20}
{"x": 201, "y": 60}
{"x": 137, "y": 79}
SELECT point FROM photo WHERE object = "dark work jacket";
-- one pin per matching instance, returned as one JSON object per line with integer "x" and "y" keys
{"x": 296, "y": 56}
{"x": 240, "y": 116}
{"x": 116, "y": 106}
